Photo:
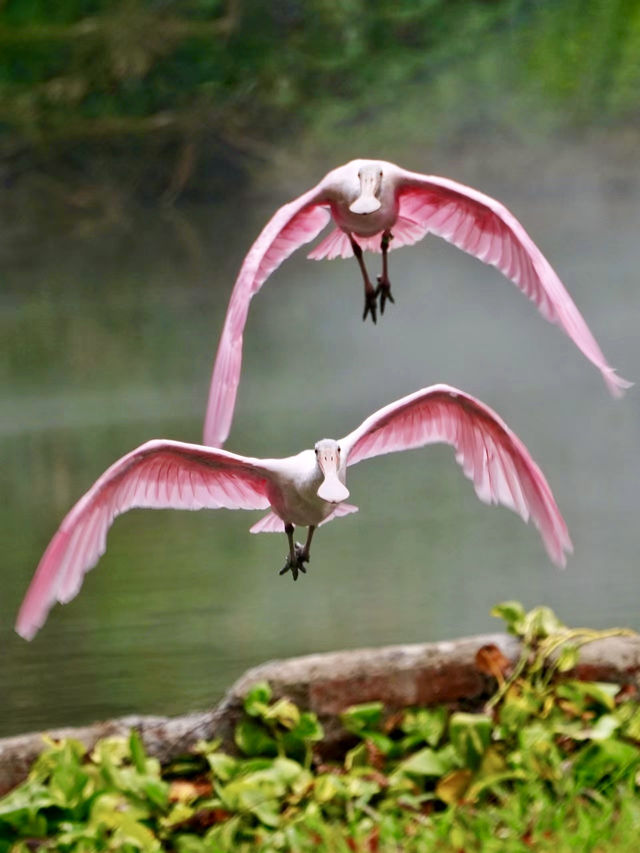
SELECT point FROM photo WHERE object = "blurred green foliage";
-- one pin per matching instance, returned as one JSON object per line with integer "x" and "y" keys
{"x": 245, "y": 71}
{"x": 551, "y": 764}
{"x": 106, "y": 105}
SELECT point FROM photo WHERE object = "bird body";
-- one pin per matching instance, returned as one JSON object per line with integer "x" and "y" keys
{"x": 379, "y": 206}
{"x": 307, "y": 489}
{"x": 293, "y": 490}
{"x": 360, "y": 202}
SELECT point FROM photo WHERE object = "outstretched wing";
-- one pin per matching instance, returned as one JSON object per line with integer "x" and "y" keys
{"x": 158, "y": 474}
{"x": 290, "y": 227}
{"x": 483, "y": 227}
{"x": 491, "y": 455}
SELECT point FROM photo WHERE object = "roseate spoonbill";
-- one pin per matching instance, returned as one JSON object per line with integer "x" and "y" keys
{"x": 379, "y": 206}
{"x": 306, "y": 490}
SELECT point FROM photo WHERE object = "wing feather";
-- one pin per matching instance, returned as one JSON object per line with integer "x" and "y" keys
{"x": 159, "y": 475}
{"x": 290, "y": 227}
{"x": 490, "y": 454}
{"x": 458, "y": 213}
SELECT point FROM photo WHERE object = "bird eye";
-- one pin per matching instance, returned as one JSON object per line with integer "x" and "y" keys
{"x": 316, "y": 450}
{"x": 338, "y": 448}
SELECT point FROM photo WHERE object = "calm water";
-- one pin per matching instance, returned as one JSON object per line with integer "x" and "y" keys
{"x": 104, "y": 351}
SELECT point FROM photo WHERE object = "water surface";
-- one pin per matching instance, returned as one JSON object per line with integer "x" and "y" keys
{"x": 105, "y": 351}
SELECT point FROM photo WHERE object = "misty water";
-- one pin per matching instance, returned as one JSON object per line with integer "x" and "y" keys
{"x": 107, "y": 348}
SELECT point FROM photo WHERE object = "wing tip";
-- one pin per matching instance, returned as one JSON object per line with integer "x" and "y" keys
{"x": 616, "y": 384}
{"x": 561, "y": 551}
{"x": 27, "y": 627}
{"x": 214, "y": 435}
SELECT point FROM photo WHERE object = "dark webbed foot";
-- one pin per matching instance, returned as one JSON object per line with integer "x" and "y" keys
{"x": 383, "y": 290}
{"x": 370, "y": 304}
{"x": 296, "y": 565}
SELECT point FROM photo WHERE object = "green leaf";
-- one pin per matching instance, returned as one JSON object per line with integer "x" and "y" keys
{"x": 69, "y": 786}
{"x": 589, "y": 694}
{"x": 361, "y": 789}
{"x": 156, "y": 791}
{"x": 267, "y": 812}
{"x": 252, "y": 739}
{"x": 224, "y": 766}
{"x": 451, "y": 788}
{"x": 632, "y": 725}
{"x": 120, "y": 816}
{"x": 383, "y": 742}
{"x": 20, "y": 807}
{"x": 138, "y": 755}
{"x": 567, "y": 658}
{"x": 257, "y": 699}
{"x": 513, "y": 614}
{"x": 308, "y": 728}
{"x": 607, "y": 759}
{"x": 470, "y": 735}
{"x": 424, "y": 725}
{"x": 283, "y": 712}
{"x": 358, "y": 756}
{"x": 223, "y": 837}
{"x": 360, "y": 718}
{"x": 259, "y": 792}
{"x": 541, "y": 622}
{"x": 492, "y": 781}
{"x": 327, "y": 787}
{"x": 425, "y": 762}
{"x": 191, "y": 844}
{"x": 180, "y": 813}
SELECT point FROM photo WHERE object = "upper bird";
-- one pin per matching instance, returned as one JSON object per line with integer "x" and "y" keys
{"x": 379, "y": 206}
{"x": 307, "y": 489}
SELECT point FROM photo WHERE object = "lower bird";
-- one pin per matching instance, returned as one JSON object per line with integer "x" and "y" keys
{"x": 304, "y": 490}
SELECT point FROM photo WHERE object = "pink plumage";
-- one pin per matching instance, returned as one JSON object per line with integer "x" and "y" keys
{"x": 171, "y": 474}
{"x": 158, "y": 475}
{"x": 411, "y": 205}
{"x": 491, "y": 455}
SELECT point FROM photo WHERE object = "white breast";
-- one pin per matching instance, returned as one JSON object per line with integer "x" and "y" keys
{"x": 293, "y": 492}
{"x": 344, "y": 189}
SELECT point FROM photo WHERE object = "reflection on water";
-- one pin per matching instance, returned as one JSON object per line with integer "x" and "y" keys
{"x": 107, "y": 354}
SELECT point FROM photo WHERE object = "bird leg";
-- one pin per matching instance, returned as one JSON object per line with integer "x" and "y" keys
{"x": 298, "y": 555}
{"x": 384, "y": 285}
{"x": 370, "y": 293}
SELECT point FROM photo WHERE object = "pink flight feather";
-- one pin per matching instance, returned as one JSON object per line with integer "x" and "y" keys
{"x": 472, "y": 221}
{"x": 171, "y": 474}
{"x": 158, "y": 474}
{"x": 491, "y": 455}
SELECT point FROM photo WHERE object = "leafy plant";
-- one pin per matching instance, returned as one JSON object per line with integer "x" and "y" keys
{"x": 551, "y": 763}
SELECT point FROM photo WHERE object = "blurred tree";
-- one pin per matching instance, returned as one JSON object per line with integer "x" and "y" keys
{"x": 101, "y": 98}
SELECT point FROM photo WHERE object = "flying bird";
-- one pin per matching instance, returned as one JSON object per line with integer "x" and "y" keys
{"x": 379, "y": 206}
{"x": 304, "y": 490}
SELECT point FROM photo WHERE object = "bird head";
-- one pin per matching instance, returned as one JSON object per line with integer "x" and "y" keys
{"x": 332, "y": 489}
{"x": 368, "y": 201}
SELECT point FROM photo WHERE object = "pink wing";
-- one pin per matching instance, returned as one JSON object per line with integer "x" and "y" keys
{"x": 158, "y": 474}
{"x": 492, "y": 456}
{"x": 272, "y": 523}
{"x": 483, "y": 227}
{"x": 289, "y": 228}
